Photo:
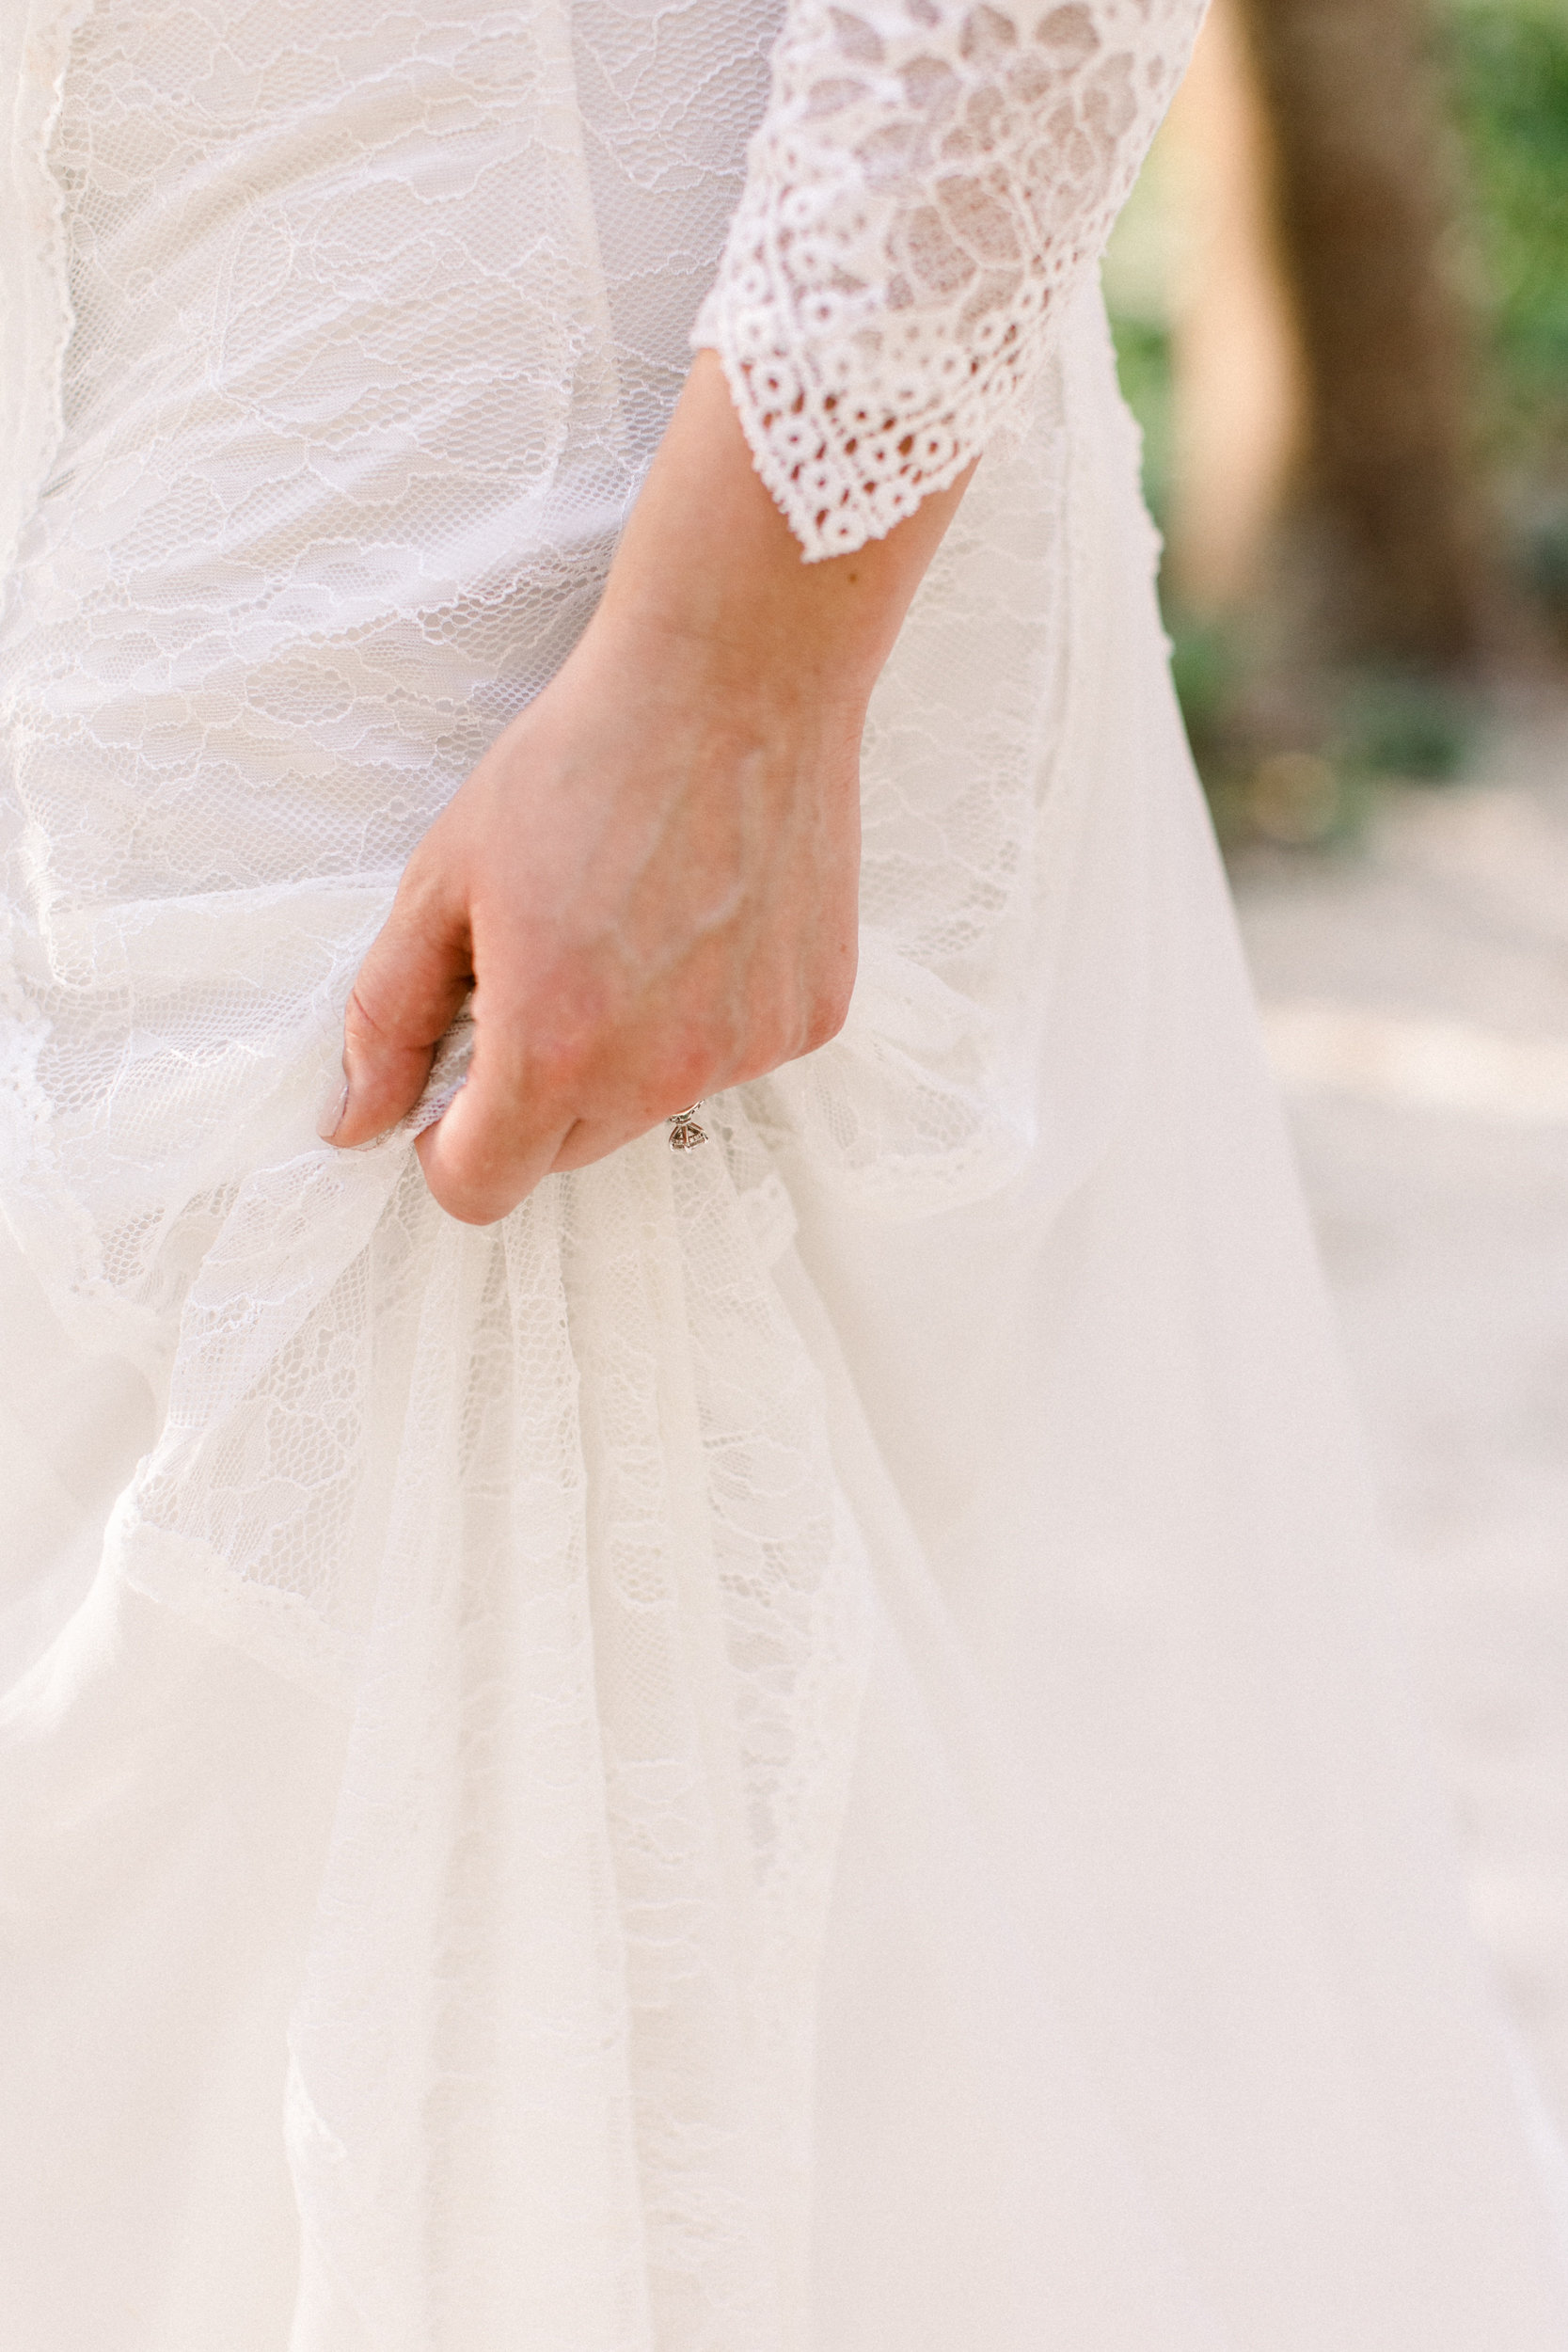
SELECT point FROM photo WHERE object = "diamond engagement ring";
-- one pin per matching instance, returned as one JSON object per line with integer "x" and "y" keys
{"x": 685, "y": 1133}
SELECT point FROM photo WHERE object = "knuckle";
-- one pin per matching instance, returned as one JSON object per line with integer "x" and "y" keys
{"x": 361, "y": 1024}
{"x": 769, "y": 1044}
{"x": 426, "y": 883}
{"x": 687, "y": 1074}
{"x": 558, "y": 1069}
{"x": 825, "y": 1018}
{"x": 468, "y": 1202}
{"x": 467, "y": 1210}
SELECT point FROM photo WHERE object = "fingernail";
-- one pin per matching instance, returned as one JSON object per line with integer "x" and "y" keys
{"x": 332, "y": 1118}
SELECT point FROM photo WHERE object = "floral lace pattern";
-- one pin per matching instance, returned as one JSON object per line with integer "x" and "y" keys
{"x": 365, "y": 328}
{"x": 929, "y": 183}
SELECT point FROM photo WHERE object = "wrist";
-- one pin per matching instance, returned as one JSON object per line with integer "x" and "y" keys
{"x": 708, "y": 561}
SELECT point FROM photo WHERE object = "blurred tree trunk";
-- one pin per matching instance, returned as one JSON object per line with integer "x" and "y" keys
{"x": 1236, "y": 369}
{"x": 1360, "y": 157}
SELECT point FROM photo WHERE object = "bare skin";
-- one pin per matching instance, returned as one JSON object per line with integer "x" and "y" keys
{"x": 650, "y": 879}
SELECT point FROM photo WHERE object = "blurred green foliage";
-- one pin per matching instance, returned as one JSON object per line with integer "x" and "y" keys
{"x": 1508, "y": 70}
{"x": 1204, "y": 661}
{"x": 1392, "y": 724}
{"x": 1143, "y": 364}
{"x": 1301, "y": 770}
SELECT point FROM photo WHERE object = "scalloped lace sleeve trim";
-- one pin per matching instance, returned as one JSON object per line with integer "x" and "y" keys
{"x": 928, "y": 186}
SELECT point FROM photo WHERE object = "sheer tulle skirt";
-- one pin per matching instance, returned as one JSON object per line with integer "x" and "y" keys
{"x": 796, "y": 1746}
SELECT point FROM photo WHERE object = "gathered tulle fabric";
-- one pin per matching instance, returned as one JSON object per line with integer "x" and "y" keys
{"x": 794, "y": 1747}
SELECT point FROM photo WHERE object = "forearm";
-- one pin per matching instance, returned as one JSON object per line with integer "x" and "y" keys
{"x": 707, "y": 555}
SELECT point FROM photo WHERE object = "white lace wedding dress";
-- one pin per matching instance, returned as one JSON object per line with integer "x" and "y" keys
{"x": 796, "y": 1749}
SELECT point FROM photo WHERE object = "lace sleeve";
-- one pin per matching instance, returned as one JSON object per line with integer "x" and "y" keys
{"x": 928, "y": 184}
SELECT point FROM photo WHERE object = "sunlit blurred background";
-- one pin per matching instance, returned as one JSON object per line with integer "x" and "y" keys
{"x": 1341, "y": 302}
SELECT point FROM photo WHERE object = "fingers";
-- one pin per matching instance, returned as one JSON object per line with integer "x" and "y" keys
{"x": 410, "y": 988}
{"x": 492, "y": 1147}
{"x": 519, "y": 1118}
{"x": 568, "y": 1066}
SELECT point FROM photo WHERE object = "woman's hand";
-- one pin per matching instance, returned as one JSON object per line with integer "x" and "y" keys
{"x": 649, "y": 880}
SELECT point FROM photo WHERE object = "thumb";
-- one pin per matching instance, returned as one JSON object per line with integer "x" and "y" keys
{"x": 408, "y": 991}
